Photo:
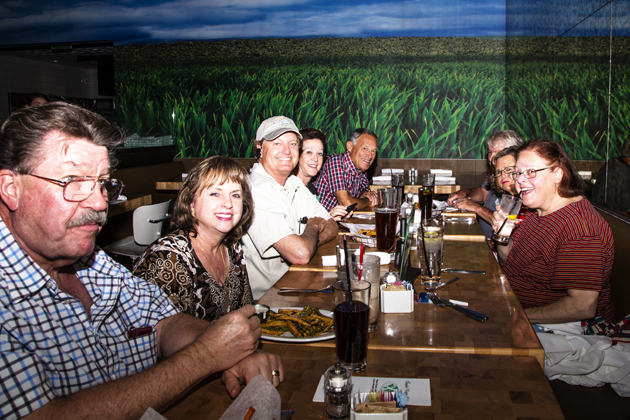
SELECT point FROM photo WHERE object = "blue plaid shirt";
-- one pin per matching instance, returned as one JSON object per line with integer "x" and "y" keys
{"x": 48, "y": 346}
{"x": 339, "y": 173}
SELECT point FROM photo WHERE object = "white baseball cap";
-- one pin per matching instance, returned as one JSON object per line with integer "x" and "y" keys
{"x": 274, "y": 127}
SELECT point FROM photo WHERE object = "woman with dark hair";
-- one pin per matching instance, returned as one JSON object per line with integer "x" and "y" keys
{"x": 559, "y": 258}
{"x": 312, "y": 156}
{"x": 200, "y": 265}
{"x": 501, "y": 168}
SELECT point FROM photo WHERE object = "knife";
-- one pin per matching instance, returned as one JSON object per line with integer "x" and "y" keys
{"x": 462, "y": 271}
{"x": 469, "y": 313}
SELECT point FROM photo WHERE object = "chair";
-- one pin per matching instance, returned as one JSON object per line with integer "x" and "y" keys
{"x": 147, "y": 227}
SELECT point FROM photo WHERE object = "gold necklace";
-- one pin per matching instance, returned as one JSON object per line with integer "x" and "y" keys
{"x": 214, "y": 270}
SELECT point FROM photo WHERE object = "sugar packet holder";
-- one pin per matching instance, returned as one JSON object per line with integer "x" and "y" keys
{"x": 397, "y": 298}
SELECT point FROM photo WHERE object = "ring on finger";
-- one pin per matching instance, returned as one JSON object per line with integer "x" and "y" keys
{"x": 275, "y": 373}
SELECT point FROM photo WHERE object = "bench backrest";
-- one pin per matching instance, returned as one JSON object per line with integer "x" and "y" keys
{"x": 620, "y": 283}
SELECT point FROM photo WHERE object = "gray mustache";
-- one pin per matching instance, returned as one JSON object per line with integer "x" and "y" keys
{"x": 90, "y": 216}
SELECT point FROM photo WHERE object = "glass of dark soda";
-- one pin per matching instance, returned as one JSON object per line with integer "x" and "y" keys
{"x": 352, "y": 314}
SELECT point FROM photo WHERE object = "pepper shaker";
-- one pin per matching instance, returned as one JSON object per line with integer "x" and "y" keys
{"x": 337, "y": 388}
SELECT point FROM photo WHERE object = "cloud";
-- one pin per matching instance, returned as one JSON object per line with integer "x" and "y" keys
{"x": 125, "y": 21}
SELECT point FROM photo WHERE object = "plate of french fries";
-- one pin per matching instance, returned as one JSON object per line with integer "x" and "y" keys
{"x": 298, "y": 325}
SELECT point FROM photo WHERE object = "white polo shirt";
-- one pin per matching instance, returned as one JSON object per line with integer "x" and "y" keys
{"x": 277, "y": 209}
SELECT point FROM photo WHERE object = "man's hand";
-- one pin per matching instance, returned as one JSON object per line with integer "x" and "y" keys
{"x": 339, "y": 212}
{"x": 479, "y": 209}
{"x": 229, "y": 339}
{"x": 370, "y": 195}
{"x": 477, "y": 194}
{"x": 259, "y": 363}
{"x": 457, "y": 196}
{"x": 318, "y": 222}
{"x": 345, "y": 199}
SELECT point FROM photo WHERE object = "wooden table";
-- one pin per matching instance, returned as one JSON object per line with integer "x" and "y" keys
{"x": 463, "y": 386}
{"x": 173, "y": 185}
{"x": 132, "y": 203}
{"x": 438, "y": 329}
{"x": 459, "y": 230}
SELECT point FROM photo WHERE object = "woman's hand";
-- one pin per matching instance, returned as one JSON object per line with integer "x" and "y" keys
{"x": 339, "y": 212}
{"x": 498, "y": 219}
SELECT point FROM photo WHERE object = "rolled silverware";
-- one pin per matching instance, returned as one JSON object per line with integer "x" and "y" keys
{"x": 465, "y": 311}
{"x": 462, "y": 271}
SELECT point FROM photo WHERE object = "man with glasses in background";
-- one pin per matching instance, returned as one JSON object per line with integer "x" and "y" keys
{"x": 471, "y": 199}
{"x": 80, "y": 336}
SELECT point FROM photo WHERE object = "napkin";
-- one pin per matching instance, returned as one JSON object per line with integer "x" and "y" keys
{"x": 329, "y": 260}
{"x": 260, "y": 394}
{"x": 390, "y": 171}
{"x": 442, "y": 172}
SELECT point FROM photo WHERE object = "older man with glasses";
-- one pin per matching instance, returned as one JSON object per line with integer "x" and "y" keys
{"x": 483, "y": 200}
{"x": 80, "y": 336}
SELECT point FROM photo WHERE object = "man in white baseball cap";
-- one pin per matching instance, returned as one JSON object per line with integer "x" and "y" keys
{"x": 289, "y": 223}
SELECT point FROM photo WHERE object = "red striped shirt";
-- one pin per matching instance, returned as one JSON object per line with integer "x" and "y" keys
{"x": 571, "y": 248}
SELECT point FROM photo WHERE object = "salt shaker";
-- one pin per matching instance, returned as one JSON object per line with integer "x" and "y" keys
{"x": 337, "y": 389}
{"x": 390, "y": 277}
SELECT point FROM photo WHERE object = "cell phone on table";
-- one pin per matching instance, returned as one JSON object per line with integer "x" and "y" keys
{"x": 350, "y": 207}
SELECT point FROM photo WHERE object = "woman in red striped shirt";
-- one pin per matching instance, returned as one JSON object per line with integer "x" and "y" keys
{"x": 559, "y": 259}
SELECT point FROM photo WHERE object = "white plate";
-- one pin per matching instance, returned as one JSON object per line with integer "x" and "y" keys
{"x": 287, "y": 337}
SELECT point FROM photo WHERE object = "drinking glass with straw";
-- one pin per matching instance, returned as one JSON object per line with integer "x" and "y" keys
{"x": 351, "y": 313}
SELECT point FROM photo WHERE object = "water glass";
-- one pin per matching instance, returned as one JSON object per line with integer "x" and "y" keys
{"x": 509, "y": 208}
{"x": 430, "y": 254}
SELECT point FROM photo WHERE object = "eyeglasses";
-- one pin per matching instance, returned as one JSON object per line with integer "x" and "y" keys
{"x": 79, "y": 188}
{"x": 529, "y": 173}
{"x": 507, "y": 171}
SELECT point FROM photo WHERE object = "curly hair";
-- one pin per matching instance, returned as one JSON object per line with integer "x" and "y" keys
{"x": 216, "y": 170}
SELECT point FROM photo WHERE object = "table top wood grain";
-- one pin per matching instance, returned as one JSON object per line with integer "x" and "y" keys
{"x": 173, "y": 185}
{"x": 132, "y": 203}
{"x": 438, "y": 329}
{"x": 463, "y": 386}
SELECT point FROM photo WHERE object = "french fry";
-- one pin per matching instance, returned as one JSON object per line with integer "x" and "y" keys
{"x": 307, "y": 322}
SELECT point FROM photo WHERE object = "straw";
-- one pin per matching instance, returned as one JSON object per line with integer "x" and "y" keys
{"x": 361, "y": 252}
{"x": 424, "y": 249}
{"x": 347, "y": 254}
{"x": 503, "y": 224}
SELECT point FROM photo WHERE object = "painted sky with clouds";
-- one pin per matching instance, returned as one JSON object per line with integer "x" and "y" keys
{"x": 127, "y": 21}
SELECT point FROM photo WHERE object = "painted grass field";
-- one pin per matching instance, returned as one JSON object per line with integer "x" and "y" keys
{"x": 419, "y": 108}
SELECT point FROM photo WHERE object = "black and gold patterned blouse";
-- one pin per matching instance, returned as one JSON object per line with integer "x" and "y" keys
{"x": 172, "y": 264}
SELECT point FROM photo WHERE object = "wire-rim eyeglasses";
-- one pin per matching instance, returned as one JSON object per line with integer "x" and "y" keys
{"x": 79, "y": 188}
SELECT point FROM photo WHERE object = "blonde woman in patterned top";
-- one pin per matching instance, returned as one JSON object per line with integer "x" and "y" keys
{"x": 200, "y": 264}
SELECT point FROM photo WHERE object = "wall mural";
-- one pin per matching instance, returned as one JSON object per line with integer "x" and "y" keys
{"x": 432, "y": 78}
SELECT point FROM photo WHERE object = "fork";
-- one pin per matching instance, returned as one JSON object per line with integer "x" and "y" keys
{"x": 327, "y": 289}
{"x": 471, "y": 314}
